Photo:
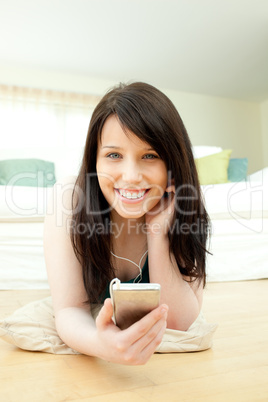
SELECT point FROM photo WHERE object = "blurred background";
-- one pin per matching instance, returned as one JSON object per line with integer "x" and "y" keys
{"x": 58, "y": 57}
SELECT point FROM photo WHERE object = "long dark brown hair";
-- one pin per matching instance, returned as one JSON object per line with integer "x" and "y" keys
{"x": 152, "y": 117}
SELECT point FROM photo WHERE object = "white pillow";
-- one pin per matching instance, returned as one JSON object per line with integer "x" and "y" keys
{"x": 259, "y": 176}
{"x": 234, "y": 198}
{"x": 200, "y": 151}
{"x": 22, "y": 202}
{"x": 32, "y": 327}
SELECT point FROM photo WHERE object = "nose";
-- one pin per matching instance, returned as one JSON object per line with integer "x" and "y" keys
{"x": 132, "y": 172}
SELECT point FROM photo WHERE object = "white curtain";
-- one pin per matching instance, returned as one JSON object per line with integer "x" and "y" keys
{"x": 44, "y": 124}
{"x": 42, "y": 118}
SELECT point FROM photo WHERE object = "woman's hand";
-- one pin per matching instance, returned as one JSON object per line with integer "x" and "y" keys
{"x": 159, "y": 218}
{"x": 134, "y": 345}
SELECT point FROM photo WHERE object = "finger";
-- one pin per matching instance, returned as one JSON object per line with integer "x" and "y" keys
{"x": 170, "y": 189}
{"x": 170, "y": 208}
{"x": 143, "y": 326}
{"x": 151, "y": 346}
{"x": 169, "y": 201}
{"x": 104, "y": 317}
{"x": 144, "y": 347}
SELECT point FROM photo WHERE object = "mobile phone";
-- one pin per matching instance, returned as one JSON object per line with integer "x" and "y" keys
{"x": 132, "y": 301}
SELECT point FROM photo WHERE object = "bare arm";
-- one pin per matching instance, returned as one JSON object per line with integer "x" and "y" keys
{"x": 183, "y": 298}
{"x": 74, "y": 322}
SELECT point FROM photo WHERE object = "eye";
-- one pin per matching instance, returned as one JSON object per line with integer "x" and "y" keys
{"x": 113, "y": 155}
{"x": 150, "y": 156}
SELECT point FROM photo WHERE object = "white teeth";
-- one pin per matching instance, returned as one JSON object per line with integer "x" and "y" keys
{"x": 131, "y": 196}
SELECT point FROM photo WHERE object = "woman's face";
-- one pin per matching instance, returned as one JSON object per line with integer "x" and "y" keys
{"x": 131, "y": 175}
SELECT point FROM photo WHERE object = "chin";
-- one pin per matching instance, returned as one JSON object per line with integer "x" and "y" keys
{"x": 130, "y": 215}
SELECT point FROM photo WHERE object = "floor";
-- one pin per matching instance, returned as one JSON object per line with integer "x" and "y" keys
{"x": 235, "y": 369}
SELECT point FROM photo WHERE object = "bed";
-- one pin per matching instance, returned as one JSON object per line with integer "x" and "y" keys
{"x": 239, "y": 219}
{"x": 238, "y": 209}
{"x": 238, "y": 244}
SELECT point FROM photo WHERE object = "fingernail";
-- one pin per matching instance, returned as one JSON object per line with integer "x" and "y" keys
{"x": 164, "y": 309}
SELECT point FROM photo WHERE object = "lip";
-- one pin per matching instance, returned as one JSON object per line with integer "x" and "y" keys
{"x": 134, "y": 200}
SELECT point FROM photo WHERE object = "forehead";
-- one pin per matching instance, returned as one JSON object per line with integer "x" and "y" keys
{"x": 114, "y": 134}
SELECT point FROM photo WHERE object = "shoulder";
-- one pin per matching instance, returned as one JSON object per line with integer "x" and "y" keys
{"x": 63, "y": 266}
{"x": 59, "y": 208}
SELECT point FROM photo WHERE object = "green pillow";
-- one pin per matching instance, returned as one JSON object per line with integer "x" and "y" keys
{"x": 213, "y": 169}
{"x": 238, "y": 169}
{"x": 27, "y": 172}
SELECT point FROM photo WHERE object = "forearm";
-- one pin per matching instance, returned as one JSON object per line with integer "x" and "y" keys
{"x": 105, "y": 340}
{"x": 76, "y": 327}
{"x": 175, "y": 291}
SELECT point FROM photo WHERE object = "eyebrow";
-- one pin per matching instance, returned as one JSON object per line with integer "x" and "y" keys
{"x": 111, "y": 146}
{"x": 117, "y": 147}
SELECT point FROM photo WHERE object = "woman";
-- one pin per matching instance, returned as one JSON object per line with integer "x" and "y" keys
{"x": 136, "y": 202}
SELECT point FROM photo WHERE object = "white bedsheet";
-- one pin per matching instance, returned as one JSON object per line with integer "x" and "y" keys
{"x": 238, "y": 199}
{"x": 22, "y": 264}
{"x": 239, "y": 243}
{"x": 239, "y": 252}
{"x": 239, "y": 218}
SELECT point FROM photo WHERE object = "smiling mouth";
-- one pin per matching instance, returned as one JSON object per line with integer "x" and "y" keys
{"x": 132, "y": 194}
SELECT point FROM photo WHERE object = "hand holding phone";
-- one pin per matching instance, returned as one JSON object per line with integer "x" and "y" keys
{"x": 132, "y": 301}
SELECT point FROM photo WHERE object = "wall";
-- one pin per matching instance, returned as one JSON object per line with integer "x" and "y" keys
{"x": 228, "y": 123}
{"x": 53, "y": 80}
{"x": 209, "y": 120}
{"x": 264, "y": 121}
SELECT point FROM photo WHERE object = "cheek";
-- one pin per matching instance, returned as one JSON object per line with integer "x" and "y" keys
{"x": 105, "y": 176}
{"x": 161, "y": 180}
{"x": 162, "y": 174}
{"x": 106, "y": 183}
